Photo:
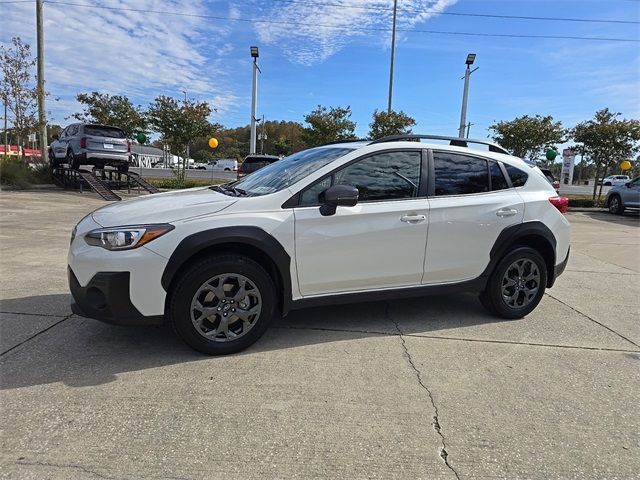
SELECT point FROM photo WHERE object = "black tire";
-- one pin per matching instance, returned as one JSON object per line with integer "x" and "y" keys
{"x": 74, "y": 163}
{"x": 227, "y": 169}
{"x": 607, "y": 184}
{"x": 492, "y": 298}
{"x": 193, "y": 279}
{"x": 53, "y": 161}
{"x": 615, "y": 205}
{"x": 123, "y": 168}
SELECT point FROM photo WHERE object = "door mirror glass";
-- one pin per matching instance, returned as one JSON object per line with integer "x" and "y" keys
{"x": 338, "y": 196}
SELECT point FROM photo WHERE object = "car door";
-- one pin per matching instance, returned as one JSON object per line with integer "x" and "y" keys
{"x": 59, "y": 146}
{"x": 630, "y": 193}
{"x": 378, "y": 243}
{"x": 471, "y": 202}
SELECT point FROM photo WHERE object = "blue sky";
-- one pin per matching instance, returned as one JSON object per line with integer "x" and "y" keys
{"x": 326, "y": 58}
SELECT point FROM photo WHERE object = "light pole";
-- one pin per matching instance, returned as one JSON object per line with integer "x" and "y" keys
{"x": 42, "y": 119}
{"x": 393, "y": 53}
{"x": 186, "y": 160}
{"x": 463, "y": 115}
{"x": 254, "y": 99}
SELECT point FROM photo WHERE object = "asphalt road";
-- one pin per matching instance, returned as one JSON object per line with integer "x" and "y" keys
{"x": 193, "y": 174}
{"x": 380, "y": 390}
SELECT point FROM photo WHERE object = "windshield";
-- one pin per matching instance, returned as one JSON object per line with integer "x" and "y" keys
{"x": 289, "y": 170}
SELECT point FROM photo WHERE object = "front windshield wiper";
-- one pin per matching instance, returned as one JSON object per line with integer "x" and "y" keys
{"x": 229, "y": 190}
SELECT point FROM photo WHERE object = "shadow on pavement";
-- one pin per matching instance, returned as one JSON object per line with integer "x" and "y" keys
{"x": 630, "y": 218}
{"x": 82, "y": 352}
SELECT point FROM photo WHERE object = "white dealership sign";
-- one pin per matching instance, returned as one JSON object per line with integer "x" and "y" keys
{"x": 568, "y": 162}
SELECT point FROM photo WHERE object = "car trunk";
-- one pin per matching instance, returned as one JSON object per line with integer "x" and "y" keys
{"x": 106, "y": 139}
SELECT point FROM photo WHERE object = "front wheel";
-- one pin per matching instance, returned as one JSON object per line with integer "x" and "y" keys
{"x": 222, "y": 304}
{"x": 516, "y": 285}
{"x": 615, "y": 205}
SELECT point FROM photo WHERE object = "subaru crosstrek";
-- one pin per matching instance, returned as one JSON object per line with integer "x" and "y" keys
{"x": 339, "y": 223}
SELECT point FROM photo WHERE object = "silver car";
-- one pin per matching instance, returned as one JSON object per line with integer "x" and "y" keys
{"x": 623, "y": 197}
{"x": 91, "y": 144}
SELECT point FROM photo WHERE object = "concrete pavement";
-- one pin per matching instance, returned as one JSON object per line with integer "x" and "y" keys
{"x": 423, "y": 388}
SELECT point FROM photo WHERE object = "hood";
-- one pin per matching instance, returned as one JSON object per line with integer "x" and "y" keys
{"x": 163, "y": 207}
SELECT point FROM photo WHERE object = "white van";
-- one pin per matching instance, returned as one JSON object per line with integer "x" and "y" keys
{"x": 223, "y": 164}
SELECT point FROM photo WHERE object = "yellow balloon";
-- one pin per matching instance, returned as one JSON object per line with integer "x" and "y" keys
{"x": 213, "y": 142}
{"x": 626, "y": 165}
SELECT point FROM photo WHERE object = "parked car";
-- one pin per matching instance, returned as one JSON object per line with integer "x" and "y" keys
{"x": 549, "y": 176}
{"x": 344, "y": 222}
{"x": 252, "y": 163}
{"x": 623, "y": 197}
{"x": 91, "y": 144}
{"x": 615, "y": 180}
{"x": 222, "y": 165}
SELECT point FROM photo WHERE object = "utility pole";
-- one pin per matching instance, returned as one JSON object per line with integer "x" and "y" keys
{"x": 6, "y": 137}
{"x": 393, "y": 53}
{"x": 254, "y": 99}
{"x": 468, "y": 128}
{"x": 186, "y": 160}
{"x": 465, "y": 95}
{"x": 42, "y": 119}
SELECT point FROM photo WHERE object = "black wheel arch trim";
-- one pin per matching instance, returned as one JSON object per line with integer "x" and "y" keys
{"x": 250, "y": 236}
{"x": 511, "y": 235}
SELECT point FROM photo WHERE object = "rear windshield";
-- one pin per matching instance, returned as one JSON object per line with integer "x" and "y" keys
{"x": 100, "y": 131}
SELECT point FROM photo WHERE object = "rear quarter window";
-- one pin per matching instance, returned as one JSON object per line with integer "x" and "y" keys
{"x": 518, "y": 177}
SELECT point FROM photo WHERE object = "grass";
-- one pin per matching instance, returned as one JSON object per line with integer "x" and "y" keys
{"x": 175, "y": 183}
{"x": 15, "y": 172}
{"x": 584, "y": 201}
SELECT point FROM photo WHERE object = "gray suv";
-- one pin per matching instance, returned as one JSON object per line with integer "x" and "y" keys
{"x": 91, "y": 144}
{"x": 624, "y": 197}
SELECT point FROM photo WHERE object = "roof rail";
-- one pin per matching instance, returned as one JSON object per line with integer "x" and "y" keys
{"x": 454, "y": 141}
{"x": 350, "y": 140}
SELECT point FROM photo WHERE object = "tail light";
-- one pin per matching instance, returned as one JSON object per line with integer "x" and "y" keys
{"x": 241, "y": 169}
{"x": 128, "y": 146}
{"x": 561, "y": 203}
{"x": 83, "y": 142}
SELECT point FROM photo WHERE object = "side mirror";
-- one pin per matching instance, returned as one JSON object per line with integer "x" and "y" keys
{"x": 628, "y": 184}
{"x": 338, "y": 196}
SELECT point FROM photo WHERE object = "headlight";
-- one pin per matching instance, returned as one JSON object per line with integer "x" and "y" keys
{"x": 126, "y": 238}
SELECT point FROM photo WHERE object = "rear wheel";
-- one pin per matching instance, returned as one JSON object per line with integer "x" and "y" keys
{"x": 615, "y": 205}
{"x": 123, "y": 168}
{"x": 516, "y": 285}
{"x": 222, "y": 304}
{"x": 73, "y": 162}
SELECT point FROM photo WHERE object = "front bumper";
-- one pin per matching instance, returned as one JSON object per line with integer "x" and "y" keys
{"x": 106, "y": 298}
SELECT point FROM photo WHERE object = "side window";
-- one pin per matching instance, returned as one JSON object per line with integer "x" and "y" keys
{"x": 63, "y": 133}
{"x": 518, "y": 177}
{"x": 384, "y": 176}
{"x": 311, "y": 196}
{"x": 459, "y": 174}
{"x": 498, "y": 182}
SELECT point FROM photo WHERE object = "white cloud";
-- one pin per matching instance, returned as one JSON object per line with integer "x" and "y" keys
{"x": 310, "y": 33}
{"x": 140, "y": 54}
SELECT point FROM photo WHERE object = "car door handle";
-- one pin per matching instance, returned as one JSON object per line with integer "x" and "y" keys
{"x": 506, "y": 212}
{"x": 413, "y": 218}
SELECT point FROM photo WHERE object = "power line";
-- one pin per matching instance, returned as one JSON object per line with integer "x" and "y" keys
{"x": 460, "y": 14}
{"x": 351, "y": 28}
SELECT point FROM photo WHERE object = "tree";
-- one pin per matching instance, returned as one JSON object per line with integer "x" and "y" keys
{"x": 390, "y": 123}
{"x": 606, "y": 140}
{"x": 528, "y": 137}
{"x": 18, "y": 87}
{"x": 327, "y": 126}
{"x": 116, "y": 110}
{"x": 179, "y": 122}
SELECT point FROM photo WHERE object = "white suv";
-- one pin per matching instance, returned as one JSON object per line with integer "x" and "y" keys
{"x": 333, "y": 224}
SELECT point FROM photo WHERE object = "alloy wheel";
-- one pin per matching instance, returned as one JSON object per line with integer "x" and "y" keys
{"x": 520, "y": 283}
{"x": 226, "y": 307}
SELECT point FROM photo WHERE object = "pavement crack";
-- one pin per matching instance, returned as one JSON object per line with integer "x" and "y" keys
{"x": 35, "y": 335}
{"x": 444, "y": 455}
{"x": 459, "y": 339}
{"x": 593, "y": 320}
{"x": 65, "y": 465}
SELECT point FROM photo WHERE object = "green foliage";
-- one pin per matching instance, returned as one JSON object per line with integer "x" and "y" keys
{"x": 529, "y": 137}
{"x": 114, "y": 110}
{"x": 172, "y": 183}
{"x": 15, "y": 172}
{"x": 328, "y": 125}
{"x": 606, "y": 140}
{"x": 390, "y": 123}
{"x": 18, "y": 87}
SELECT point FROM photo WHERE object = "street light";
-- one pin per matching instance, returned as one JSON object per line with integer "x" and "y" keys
{"x": 254, "y": 94}
{"x": 465, "y": 95}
